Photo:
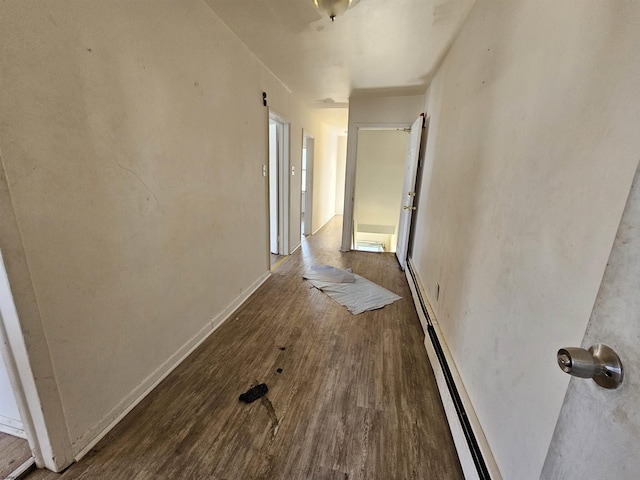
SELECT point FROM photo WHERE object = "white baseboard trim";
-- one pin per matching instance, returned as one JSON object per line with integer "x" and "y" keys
{"x": 415, "y": 286}
{"x": 23, "y": 470}
{"x": 323, "y": 225}
{"x": 87, "y": 441}
{"x": 465, "y": 454}
{"x": 11, "y": 426}
{"x": 296, "y": 249}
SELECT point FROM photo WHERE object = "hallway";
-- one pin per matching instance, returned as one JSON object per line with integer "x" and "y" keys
{"x": 356, "y": 397}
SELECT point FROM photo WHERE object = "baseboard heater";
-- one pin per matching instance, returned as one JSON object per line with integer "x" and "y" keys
{"x": 478, "y": 459}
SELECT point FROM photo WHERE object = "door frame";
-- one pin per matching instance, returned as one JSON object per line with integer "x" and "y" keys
{"x": 283, "y": 197}
{"x": 13, "y": 350}
{"x": 422, "y": 155}
{"x": 406, "y": 217}
{"x": 350, "y": 176}
{"x": 308, "y": 213}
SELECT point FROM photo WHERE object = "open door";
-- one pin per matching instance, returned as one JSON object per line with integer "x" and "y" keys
{"x": 278, "y": 185}
{"x": 598, "y": 429}
{"x": 408, "y": 190}
{"x": 274, "y": 224}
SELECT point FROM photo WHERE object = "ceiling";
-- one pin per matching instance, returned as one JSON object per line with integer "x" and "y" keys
{"x": 377, "y": 47}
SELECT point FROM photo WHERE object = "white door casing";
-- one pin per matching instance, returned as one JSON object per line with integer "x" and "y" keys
{"x": 48, "y": 439}
{"x": 279, "y": 186}
{"x": 308, "y": 211}
{"x": 408, "y": 190}
{"x": 273, "y": 187}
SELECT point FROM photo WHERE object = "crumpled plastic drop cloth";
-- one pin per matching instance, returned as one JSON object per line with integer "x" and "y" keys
{"x": 327, "y": 273}
{"x": 358, "y": 295}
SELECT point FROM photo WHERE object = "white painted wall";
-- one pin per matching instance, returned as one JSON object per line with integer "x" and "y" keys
{"x": 372, "y": 111}
{"x": 332, "y": 123}
{"x": 532, "y": 149}
{"x": 598, "y": 431}
{"x": 132, "y": 140}
{"x": 341, "y": 166}
{"x": 324, "y": 178}
{"x": 376, "y": 110}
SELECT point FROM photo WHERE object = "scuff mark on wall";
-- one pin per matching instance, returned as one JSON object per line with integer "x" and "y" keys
{"x": 141, "y": 181}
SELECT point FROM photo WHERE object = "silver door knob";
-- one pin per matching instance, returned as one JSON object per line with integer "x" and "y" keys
{"x": 600, "y": 363}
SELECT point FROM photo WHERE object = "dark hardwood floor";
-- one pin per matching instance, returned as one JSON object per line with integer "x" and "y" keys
{"x": 356, "y": 397}
{"x": 14, "y": 452}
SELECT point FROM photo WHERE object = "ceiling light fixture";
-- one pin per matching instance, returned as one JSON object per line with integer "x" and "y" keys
{"x": 333, "y": 8}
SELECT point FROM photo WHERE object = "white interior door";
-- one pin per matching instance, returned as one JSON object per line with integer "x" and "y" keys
{"x": 273, "y": 187}
{"x": 598, "y": 430}
{"x": 408, "y": 190}
{"x": 303, "y": 186}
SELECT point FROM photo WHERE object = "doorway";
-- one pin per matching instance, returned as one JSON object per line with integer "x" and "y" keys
{"x": 306, "y": 202}
{"x": 15, "y": 450}
{"x": 14, "y": 447}
{"x": 278, "y": 187}
{"x": 380, "y": 162}
{"x": 10, "y": 419}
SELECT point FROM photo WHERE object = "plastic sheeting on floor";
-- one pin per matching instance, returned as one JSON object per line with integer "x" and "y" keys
{"x": 326, "y": 273}
{"x": 359, "y": 295}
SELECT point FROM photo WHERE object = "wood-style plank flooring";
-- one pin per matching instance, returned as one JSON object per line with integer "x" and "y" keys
{"x": 14, "y": 452}
{"x": 275, "y": 260}
{"x": 356, "y": 397}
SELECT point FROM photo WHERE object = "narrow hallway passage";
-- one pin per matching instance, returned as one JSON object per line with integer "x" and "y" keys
{"x": 349, "y": 396}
